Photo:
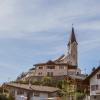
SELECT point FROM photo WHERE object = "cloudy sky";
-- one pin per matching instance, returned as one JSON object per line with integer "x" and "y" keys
{"x": 33, "y": 31}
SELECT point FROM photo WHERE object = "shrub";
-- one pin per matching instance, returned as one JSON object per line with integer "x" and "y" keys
{"x": 3, "y": 97}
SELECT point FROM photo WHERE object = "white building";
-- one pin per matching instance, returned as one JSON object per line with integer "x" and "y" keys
{"x": 94, "y": 82}
{"x": 31, "y": 92}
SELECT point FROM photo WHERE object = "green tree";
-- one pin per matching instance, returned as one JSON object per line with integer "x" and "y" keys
{"x": 64, "y": 86}
{"x": 47, "y": 81}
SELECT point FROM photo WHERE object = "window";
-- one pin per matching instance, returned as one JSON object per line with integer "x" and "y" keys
{"x": 49, "y": 73}
{"x": 78, "y": 73}
{"x": 50, "y": 67}
{"x": 20, "y": 92}
{"x": 95, "y": 97}
{"x": 40, "y": 67}
{"x": 94, "y": 87}
{"x": 13, "y": 91}
{"x": 37, "y": 94}
{"x": 98, "y": 76}
{"x": 40, "y": 73}
{"x": 61, "y": 67}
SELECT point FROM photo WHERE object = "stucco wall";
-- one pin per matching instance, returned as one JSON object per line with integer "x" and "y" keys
{"x": 56, "y": 71}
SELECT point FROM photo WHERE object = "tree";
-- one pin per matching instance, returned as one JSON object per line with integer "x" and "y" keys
{"x": 23, "y": 74}
{"x": 66, "y": 90}
{"x": 47, "y": 81}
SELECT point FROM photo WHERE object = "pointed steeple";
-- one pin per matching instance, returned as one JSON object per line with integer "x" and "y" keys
{"x": 72, "y": 37}
{"x": 72, "y": 48}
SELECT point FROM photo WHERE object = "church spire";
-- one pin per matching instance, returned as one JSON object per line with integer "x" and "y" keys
{"x": 72, "y": 49}
{"x": 72, "y": 37}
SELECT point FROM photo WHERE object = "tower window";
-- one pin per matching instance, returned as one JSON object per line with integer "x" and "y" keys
{"x": 78, "y": 73}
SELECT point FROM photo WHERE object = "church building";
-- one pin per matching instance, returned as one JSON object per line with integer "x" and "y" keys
{"x": 64, "y": 67}
{"x": 66, "y": 64}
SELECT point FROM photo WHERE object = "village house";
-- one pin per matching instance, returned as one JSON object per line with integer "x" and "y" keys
{"x": 93, "y": 81}
{"x": 31, "y": 92}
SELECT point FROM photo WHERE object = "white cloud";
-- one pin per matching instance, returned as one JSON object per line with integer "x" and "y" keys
{"x": 18, "y": 16}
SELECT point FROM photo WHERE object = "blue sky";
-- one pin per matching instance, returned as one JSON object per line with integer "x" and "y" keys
{"x": 33, "y": 31}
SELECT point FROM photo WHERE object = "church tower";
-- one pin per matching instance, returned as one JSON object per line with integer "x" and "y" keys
{"x": 72, "y": 49}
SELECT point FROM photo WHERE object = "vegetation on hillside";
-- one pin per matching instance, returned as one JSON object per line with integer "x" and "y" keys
{"x": 66, "y": 89}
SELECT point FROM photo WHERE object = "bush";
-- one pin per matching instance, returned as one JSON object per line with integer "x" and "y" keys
{"x": 6, "y": 97}
{"x": 47, "y": 81}
{"x": 3, "y": 97}
{"x": 79, "y": 96}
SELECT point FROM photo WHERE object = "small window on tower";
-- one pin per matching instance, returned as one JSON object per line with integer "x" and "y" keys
{"x": 78, "y": 73}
